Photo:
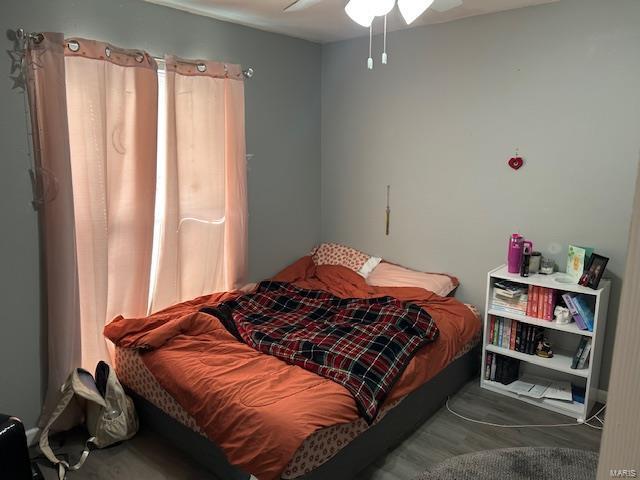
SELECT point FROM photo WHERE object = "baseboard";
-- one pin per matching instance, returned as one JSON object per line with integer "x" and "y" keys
{"x": 32, "y": 436}
{"x": 601, "y": 396}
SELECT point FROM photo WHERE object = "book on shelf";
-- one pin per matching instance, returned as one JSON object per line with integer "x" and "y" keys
{"x": 514, "y": 335}
{"x": 538, "y": 388}
{"x": 584, "y": 358}
{"x": 487, "y": 365}
{"x": 501, "y": 369}
{"x": 492, "y": 373}
{"x": 569, "y": 301}
{"x": 584, "y": 311}
{"x": 510, "y": 297}
{"x": 506, "y": 340}
{"x": 578, "y": 393}
{"x": 534, "y": 301}
{"x": 581, "y": 355}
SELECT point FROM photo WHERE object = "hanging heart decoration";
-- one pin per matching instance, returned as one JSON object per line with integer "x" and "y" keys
{"x": 516, "y": 162}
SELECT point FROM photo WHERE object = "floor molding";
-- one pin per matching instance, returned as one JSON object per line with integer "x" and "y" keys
{"x": 601, "y": 396}
{"x": 32, "y": 436}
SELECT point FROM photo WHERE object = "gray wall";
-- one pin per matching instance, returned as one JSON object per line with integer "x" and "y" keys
{"x": 559, "y": 82}
{"x": 283, "y": 132}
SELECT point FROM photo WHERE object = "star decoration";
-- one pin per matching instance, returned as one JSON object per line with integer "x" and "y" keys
{"x": 16, "y": 59}
{"x": 18, "y": 82}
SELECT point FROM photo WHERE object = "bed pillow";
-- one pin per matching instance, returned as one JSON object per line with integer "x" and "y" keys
{"x": 389, "y": 275}
{"x": 336, "y": 254}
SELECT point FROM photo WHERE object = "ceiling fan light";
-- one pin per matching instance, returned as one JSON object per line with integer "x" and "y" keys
{"x": 360, "y": 12}
{"x": 412, "y": 9}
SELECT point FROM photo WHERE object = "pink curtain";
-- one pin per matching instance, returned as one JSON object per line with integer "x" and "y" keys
{"x": 112, "y": 113}
{"x": 203, "y": 246}
{"x": 48, "y": 111}
{"x": 94, "y": 111}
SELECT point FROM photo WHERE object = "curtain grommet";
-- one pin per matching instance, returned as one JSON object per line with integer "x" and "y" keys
{"x": 201, "y": 67}
{"x": 73, "y": 45}
{"x": 139, "y": 57}
{"x": 107, "y": 52}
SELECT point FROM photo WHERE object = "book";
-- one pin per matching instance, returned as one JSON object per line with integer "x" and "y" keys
{"x": 578, "y": 353}
{"x": 553, "y": 294}
{"x": 510, "y": 370}
{"x": 534, "y": 334}
{"x": 492, "y": 375}
{"x": 534, "y": 302}
{"x": 568, "y": 301}
{"x": 578, "y": 393}
{"x": 541, "y": 302}
{"x": 487, "y": 366}
{"x": 527, "y": 338}
{"x": 518, "y": 337}
{"x": 499, "y": 366}
{"x": 584, "y": 311}
{"x": 584, "y": 357}
{"x": 529, "y": 297}
{"x": 514, "y": 326}
{"x": 492, "y": 326}
{"x": 500, "y": 331}
{"x": 506, "y": 340}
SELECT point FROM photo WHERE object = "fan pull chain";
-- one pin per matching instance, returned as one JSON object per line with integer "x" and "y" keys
{"x": 370, "y": 59}
{"x": 384, "y": 48}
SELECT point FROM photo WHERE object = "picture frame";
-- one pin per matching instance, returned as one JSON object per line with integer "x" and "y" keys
{"x": 594, "y": 271}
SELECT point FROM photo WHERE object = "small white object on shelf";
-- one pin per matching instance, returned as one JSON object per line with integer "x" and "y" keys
{"x": 554, "y": 374}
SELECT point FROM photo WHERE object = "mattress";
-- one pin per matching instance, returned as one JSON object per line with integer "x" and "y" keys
{"x": 317, "y": 449}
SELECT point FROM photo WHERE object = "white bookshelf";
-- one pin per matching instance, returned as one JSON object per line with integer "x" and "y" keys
{"x": 565, "y": 339}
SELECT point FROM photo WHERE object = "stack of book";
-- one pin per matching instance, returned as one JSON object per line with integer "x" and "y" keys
{"x": 580, "y": 311}
{"x": 501, "y": 369}
{"x": 510, "y": 297}
{"x": 581, "y": 357}
{"x": 542, "y": 302}
{"x": 513, "y": 335}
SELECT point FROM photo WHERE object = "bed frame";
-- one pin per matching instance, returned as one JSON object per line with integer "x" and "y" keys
{"x": 367, "y": 447}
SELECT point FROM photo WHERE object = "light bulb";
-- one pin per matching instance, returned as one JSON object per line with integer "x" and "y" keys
{"x": 412, "y": 9}
{"x": 360, "y": 12}
{"x": 364, "y": 11}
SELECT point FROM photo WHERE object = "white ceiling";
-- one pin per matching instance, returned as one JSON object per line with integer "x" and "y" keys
{"x": 326, "y": 21}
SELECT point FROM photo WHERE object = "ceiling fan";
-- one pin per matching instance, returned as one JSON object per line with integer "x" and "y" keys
{"x": 363, "y": 12}
{"x": 438, "y": 5}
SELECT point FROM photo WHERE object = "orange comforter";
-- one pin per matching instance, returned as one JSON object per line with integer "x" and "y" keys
{"x": 257, "y": 408}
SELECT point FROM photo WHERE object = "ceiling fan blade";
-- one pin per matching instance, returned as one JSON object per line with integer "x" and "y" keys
{"x": 444, "y": 5}
{"x": 301, "y": 5}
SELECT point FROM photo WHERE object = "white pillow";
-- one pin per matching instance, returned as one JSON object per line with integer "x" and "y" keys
{"x": 369, "y": 266}
{"x": 389, "y": 275}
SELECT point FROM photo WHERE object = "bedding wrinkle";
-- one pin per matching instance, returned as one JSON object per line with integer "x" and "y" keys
{"x": 255, "y": 407}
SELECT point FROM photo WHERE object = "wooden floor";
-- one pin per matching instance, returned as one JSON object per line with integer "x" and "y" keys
{"x": 441, "y": 437}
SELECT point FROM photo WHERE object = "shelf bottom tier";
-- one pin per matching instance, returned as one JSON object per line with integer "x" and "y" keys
{"x": 571, "y": 409}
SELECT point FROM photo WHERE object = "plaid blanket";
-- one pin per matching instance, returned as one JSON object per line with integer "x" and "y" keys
{"x": 362, "y": 344}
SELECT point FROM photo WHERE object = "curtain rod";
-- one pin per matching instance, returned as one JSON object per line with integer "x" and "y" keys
{"x": 247, "y": 73}
{"x": 38, "y": 37}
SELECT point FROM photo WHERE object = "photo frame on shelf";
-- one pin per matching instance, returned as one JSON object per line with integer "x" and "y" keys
{"x": 594, "y": 271}
{"x": 577, "y": 260}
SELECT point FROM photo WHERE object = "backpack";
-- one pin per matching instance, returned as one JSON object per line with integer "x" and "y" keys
{"x": 101, "y": 403}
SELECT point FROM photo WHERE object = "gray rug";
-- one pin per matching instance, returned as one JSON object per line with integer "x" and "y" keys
{"x": 538, "y": 463}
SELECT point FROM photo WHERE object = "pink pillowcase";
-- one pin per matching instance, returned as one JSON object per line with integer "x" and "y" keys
{"x": 389, "y": 275}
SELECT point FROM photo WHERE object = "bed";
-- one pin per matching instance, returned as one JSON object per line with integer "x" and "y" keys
{"x": 239, "y": 411}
